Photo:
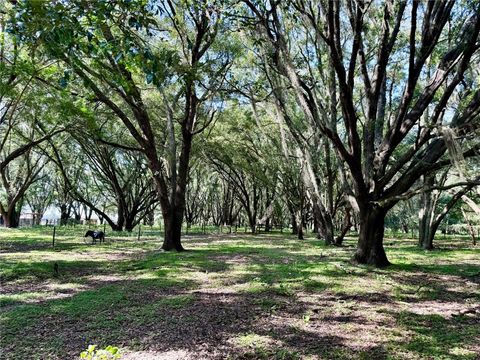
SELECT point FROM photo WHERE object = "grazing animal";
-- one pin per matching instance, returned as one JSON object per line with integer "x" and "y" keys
{"x": 96, "y": 235}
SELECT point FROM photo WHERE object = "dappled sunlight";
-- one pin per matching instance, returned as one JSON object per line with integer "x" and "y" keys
{"x": 233, "y": 294}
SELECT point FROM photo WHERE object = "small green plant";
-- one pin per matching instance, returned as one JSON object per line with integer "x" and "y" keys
{"x": 109, "y": 353}
{"x": 306, "y": 318}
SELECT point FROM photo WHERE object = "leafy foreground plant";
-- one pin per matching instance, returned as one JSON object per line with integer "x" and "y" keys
{"x": 109, "y": 353}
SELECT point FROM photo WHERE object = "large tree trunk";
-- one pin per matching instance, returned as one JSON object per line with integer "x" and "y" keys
{"x": 426, "y": 228}
{"x": 172, "y": 229}
{"x": 370, "y": 249}
{"x": 427, "y": 235}
{"x": 129, "y": 224}
{"x": 11, "y": 219}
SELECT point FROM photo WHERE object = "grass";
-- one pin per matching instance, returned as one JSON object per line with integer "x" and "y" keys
{"x": 235, "y": 296}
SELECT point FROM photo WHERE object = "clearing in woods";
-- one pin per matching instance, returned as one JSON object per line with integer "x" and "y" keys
{"x": 266, "y": 296}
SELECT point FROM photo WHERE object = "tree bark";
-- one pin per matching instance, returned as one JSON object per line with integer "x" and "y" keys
{"x": 347, "y": 223}
{"x": 11, "y": 219}
{"x": 172, "y": 230}
{"x": 370, "y": 249}
{"x": 129, "y": 225}
{"x": 426, "y": 226}
{"x": 294, "y": 223}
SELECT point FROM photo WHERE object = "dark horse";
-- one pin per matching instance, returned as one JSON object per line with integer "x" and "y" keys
{"x": 96, "y": 235}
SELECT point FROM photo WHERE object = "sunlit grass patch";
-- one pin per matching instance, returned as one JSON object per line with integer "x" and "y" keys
{"x": 256, "y": 346}
{"x": 461, "y": 352}
{"x": 25, "y": 297}
{"x": 253, "y": 340}
{"x": 312, "y": 285}
{"x": 177, "y": 301}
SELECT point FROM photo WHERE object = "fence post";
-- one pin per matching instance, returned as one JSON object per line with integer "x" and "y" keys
{"x": 53, "y": 237}
{"x": 138, "y": 237}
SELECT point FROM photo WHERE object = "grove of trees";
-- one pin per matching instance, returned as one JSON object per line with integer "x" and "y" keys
{"x": 323, "y": 116}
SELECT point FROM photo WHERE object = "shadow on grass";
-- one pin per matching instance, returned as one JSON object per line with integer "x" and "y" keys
{"x": 437, "y": 337}
{"x": 160, "y": 306}
{"x": 163, "y": 314}
{"x": 155, "y": 314}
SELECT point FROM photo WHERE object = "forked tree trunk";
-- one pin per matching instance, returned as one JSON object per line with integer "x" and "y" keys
{"x": 370, "y": 249}
{"x": 172, "y": 230}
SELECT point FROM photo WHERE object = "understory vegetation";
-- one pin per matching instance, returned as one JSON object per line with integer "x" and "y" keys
{"x": 237, "y": 296}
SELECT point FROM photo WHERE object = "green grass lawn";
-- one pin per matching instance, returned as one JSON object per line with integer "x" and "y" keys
{"x": 235, "y": 296}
